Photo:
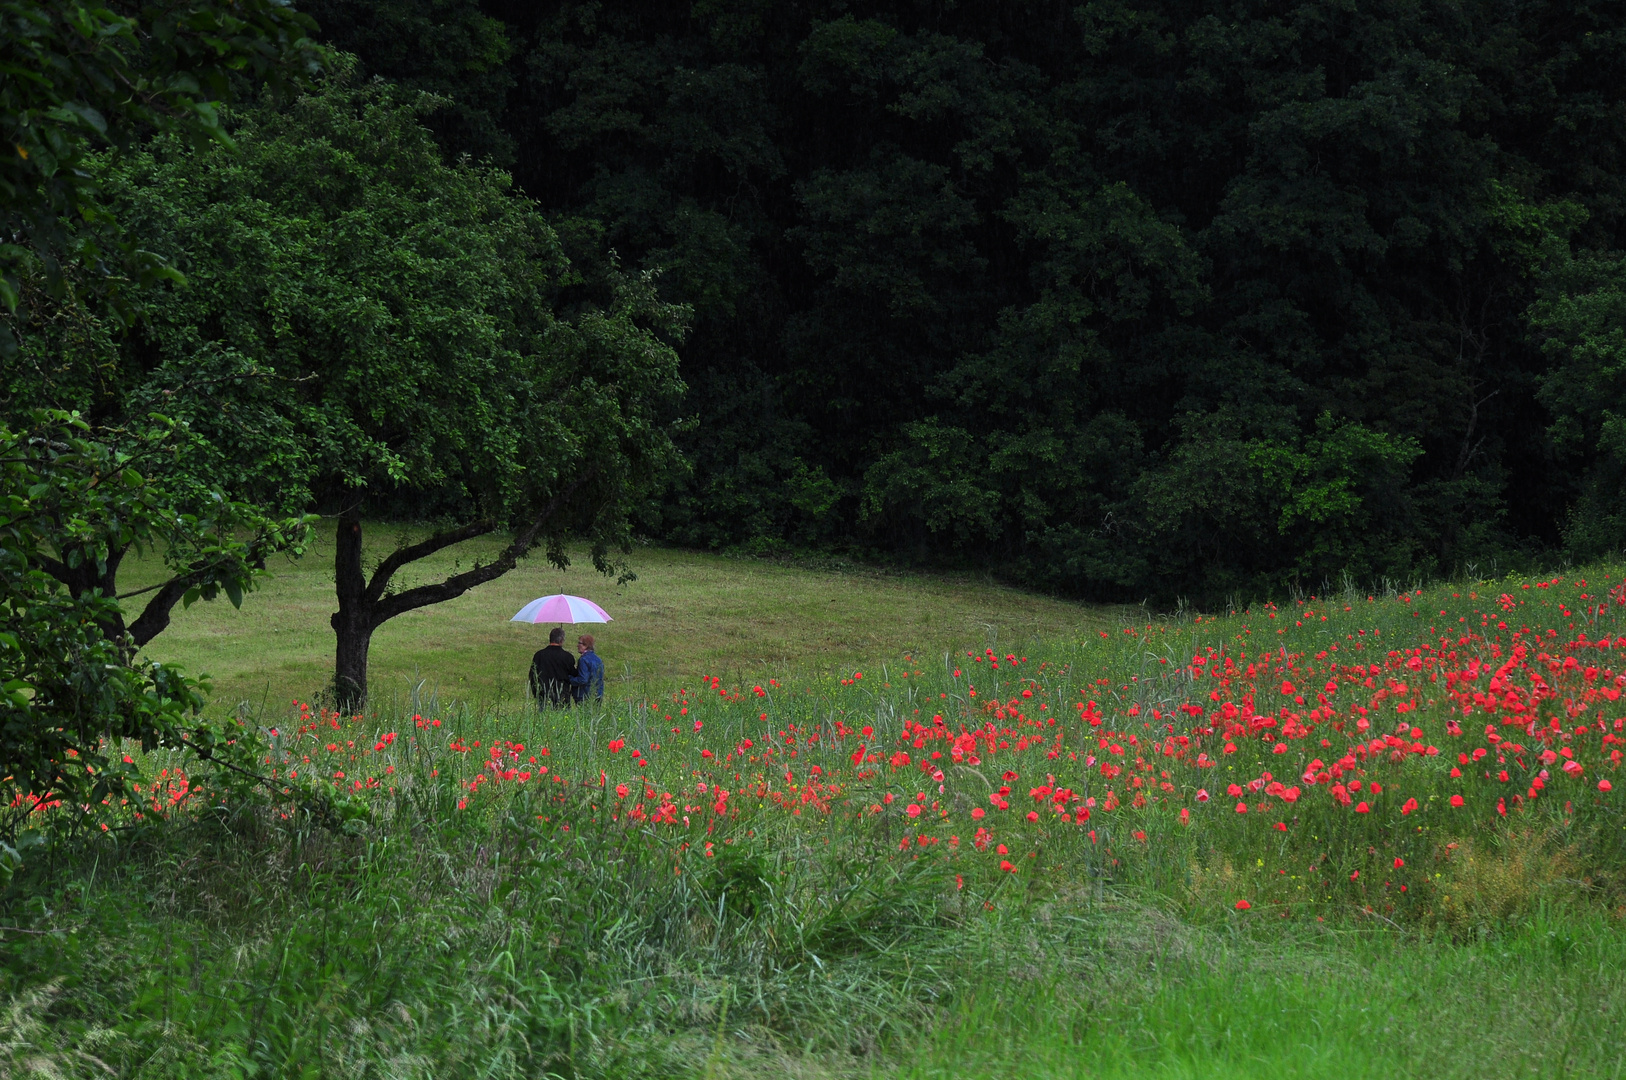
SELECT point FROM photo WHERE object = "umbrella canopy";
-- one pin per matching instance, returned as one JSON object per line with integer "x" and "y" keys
{"x": 560, "y": 608}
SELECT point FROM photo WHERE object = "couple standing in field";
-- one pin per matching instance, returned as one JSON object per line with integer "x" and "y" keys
{"x": 557, "y": 679}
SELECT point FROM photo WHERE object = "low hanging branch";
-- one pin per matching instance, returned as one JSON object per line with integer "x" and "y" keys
{"x": 387, "y": 608}
{"x": 365, "y": 604}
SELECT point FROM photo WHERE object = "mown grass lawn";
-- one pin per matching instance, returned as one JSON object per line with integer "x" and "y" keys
{"x": 1362, "y": 836}
{"x": 686, "y": 614}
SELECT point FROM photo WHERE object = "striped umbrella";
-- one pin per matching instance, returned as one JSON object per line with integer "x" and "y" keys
{"x": 561, "y": 608}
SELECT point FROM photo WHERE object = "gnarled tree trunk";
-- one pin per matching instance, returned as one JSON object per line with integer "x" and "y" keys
{"x": 364, "y": 605}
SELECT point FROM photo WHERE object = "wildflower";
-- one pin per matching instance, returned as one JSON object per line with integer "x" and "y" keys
{"x": 1241, "y": 807}
{"x": 1399, "y": 862}
{"x": 1604, "y": 785}
{"x": 1281, "y": 826}
{"x": 1243, "y": 905}
{"x": 1033, "y": 815}
{"x": 1005, "y": 865}
{"x": 913, "y": 810}
{"x": 978, "y": 813}
{"x": 1202, "y": 795}
{"x": 1456, "y": 800}
{"x": 1362, "y": 808}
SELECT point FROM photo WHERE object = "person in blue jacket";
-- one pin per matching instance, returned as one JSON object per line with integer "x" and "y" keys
{"x": 589, "y": 671}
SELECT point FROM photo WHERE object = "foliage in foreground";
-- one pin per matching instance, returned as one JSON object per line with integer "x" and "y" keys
{"x": 1133, "y": 836}
{"x": 73, "y": 504}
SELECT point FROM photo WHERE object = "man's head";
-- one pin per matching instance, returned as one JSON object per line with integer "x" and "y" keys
{"x": 556, "y": 636}
{"x": 586, "y": 642}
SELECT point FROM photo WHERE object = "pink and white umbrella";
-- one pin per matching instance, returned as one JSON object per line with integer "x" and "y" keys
{"x": 561, "y": 608}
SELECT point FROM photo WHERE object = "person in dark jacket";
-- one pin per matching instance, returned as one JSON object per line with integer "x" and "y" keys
{"x": 589, "y": 670}
{"x": 552, "y": 670}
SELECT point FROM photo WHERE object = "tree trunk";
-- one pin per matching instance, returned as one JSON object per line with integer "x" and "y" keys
{"x": 366, "y": 605}
{"x": 353, "y": 622}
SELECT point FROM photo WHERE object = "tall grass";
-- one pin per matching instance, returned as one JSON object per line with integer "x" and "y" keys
{"x": 487, "y": 914}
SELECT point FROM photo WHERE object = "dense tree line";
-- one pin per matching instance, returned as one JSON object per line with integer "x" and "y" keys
{"x": 1122, "y": 298}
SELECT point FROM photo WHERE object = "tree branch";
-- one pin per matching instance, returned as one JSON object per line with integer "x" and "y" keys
{"x": 155, "y": 616}
{"x": 412, "y": 553}
{"x": 458, "y": 584}
{"x": 55, "y": 567}
{"x": 137, "y": 592}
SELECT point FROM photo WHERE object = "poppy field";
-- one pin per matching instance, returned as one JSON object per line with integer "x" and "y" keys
{"x": 702, "y": 880}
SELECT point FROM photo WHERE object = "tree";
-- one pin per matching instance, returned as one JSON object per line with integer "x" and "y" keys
{"x": 75, "y": 499}
{"x": 71, "y": 506}
{"x": 81, "y": 75}
{"x": 389, "y": 320}
{"x": 449, "y": 48}
{"x": 1581, "y": 316}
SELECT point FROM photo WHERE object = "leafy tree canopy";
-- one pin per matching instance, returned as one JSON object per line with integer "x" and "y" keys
{"x": 82, "y": 75}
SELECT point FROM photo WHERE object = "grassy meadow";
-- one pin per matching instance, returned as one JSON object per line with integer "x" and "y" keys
{"x": 1370, "y": 835}
{"x": 685, "y": 614}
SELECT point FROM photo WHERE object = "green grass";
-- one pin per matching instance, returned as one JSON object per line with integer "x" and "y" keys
{"x": 685, "y": 615}
{"x": 537, "y": 926}
{"x": 1546, "y": 1000}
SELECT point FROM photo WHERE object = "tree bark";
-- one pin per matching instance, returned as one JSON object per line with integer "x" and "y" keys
{"x": 352, "y": 623}
{"x": 86, "y": 578}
